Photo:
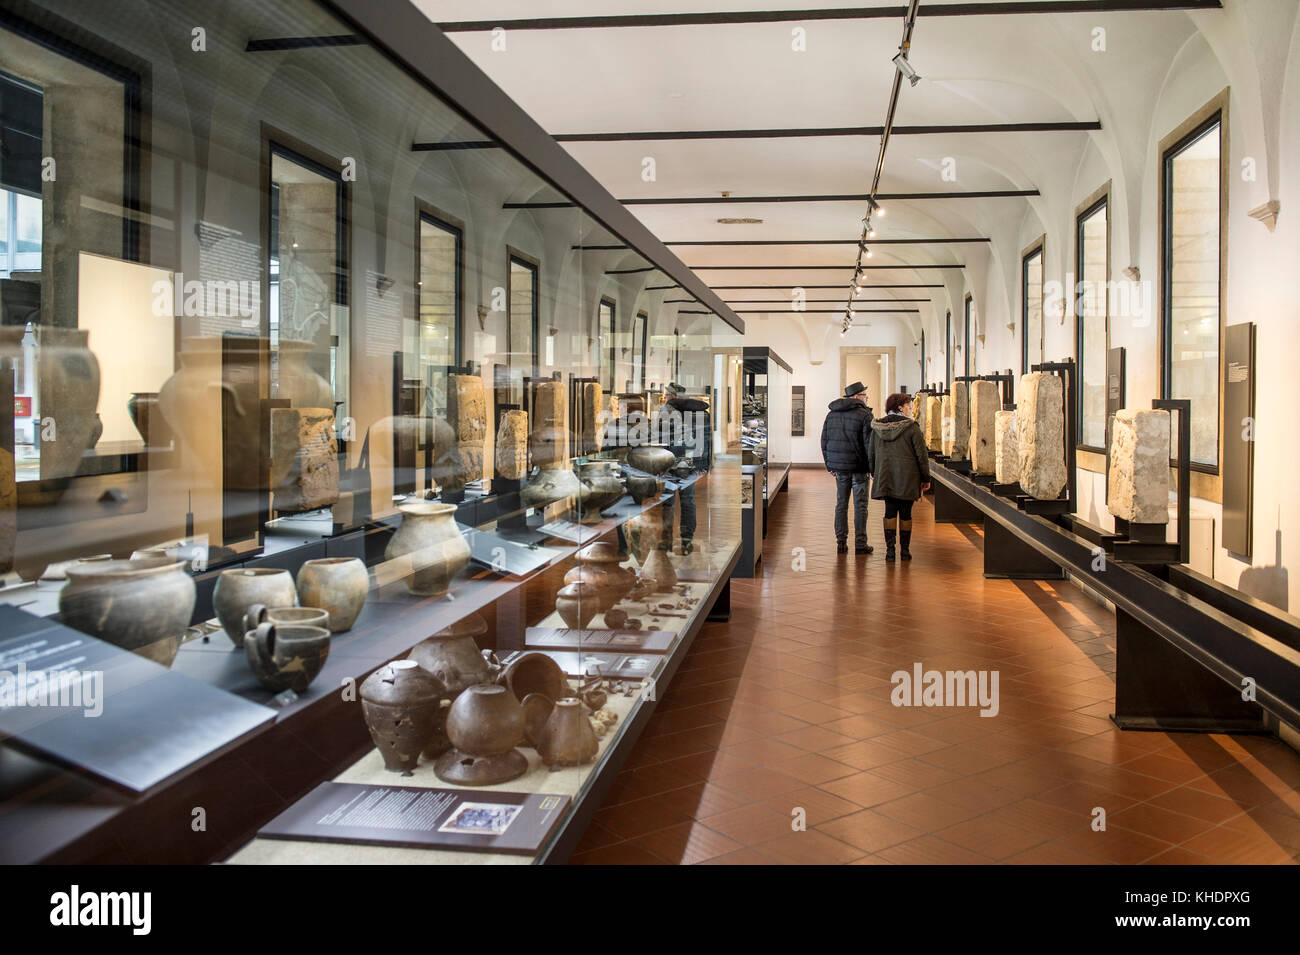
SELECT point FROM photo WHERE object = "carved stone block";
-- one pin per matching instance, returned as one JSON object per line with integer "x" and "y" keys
{"x": 512, "y": 446}
{"x": 1007, "y": 448}
{"x": 549, "y": 438}
{"x": 985, "y": 403}
{"x": 304, "y": 459}
{"x": 593, "y": 403}
{"x": 467, "y": 415}
{"x": 1040, "y": 434}
{"x": 1139, "y": 466}
{"x": 934, "y": 423}
{"x": 956, "y": 427}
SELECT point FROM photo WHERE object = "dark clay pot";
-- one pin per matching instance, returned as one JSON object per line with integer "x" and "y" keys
{"x": 401, "y": 703}
{"x": 485, "y": 724}
{"x": 651, "y": 458}
{"x": 535, "y": 673}
{"x": 601, "y": 487}
{"x": 576, "y": 604}
{"x": 286, "y": 656}
{"x": 567, "y": 738}
{"x": 453, "y": 657}
{"x": 141, "y": 605}
{"x": 598, "y": 565}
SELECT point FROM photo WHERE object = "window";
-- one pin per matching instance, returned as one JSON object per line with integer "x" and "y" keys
{"x": 967, "y": 343}
{"x": 605, "y": 345}
{"x": 1191, "y": 226}
{"x": 521, "y": 334}
{"x": 1031, "y": 307}
{"x": 439, "y": 294}
{"x": 947, "y": 350}
{"x": 639, "y": 326}
{"x": 1092, "y": 273}
{"x": 924, "y": 381}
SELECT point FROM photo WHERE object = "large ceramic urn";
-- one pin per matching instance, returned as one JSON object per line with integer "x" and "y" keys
{"x": 598, "y": 565}
{"x": 653, "y": 459}
{"x": 566, "y": 738}
{"x": 208, "y": 403}
{"x": 550, "y": 486}
{"x": 453, "y": 657}
{"x": 401, "y": 703}
{"x": 298, "y": 381}
{"x": 601, "y": 487}
{"x": 336, "y": 584}
{"x": 141, "y": 605}
{"x": 428, "y": 548}
{"x": 485, "y": 724}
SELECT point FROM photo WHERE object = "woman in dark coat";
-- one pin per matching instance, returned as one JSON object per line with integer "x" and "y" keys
{"x": 900, "y": 468}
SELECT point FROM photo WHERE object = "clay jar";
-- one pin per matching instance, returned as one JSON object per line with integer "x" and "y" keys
{"x": 535, "y": 673}
{"x": 336, "y": 584}
{"x": 651, "y": 458}
{"x": 642, "y": 487}
{"x": 567, "y": 739}
{"x": 550, "y": 486}
{"x": 239, "y": 589}
{"x": 285, "y": 617}
{"x": 401, "y": 703}
{"x": 598, "y": 565}
{"x": 485, "y": 724}
{"x": 601, "y": 487}
{"x": 298, "y": 381}
{"x": 576, "y": 604}
{"x": 428, "y": 548}
{"x": 286, "y": 656}
{"x": 659, "y": 568}
{"x": 141, "y": 605}
{"x": 453, "y": 658}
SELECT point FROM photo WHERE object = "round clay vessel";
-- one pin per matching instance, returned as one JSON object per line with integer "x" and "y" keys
{"x": 286, "y": 656}
{"x": 576, "y": 604}
{"x": 598, "y": 565}
{"x": 615, "y": 618}
{"x": 550, "y": 486}
{"x": 285, "y": 617}
{"x": 485, "y": 724}
{"x": 139, "y": 605}
{"x": 567, "y": 739}
{"x": 535, "y": 673}
{"x": 401, "y": 703}
{"x": 428, "y": 548}
{"x": 336, "y": 584}
{"x": 651, "y": 458}
{"x": 642, "y": 487}
{"x": 238, "y": 589}
{"x": 659, "y": 568}
{"x": 601, "y": 488}
{"x": 297, "y": 380}
{"x": 453, "y": 656}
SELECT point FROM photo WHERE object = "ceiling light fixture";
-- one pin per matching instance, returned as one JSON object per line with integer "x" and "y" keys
{"x": 905, "y": 67}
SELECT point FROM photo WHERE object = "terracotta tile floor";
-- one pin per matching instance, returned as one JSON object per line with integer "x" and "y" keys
{"x": 784, "y": 712}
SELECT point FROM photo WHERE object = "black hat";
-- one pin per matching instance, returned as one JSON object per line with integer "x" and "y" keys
{"x": 676, "y": 388}
{"x": 854, "y": 389}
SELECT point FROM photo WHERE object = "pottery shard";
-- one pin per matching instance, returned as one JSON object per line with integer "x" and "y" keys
{"x": 467, "y": 415}
{"x": 593, "y": 403}
{"x": 934, "y": 423}
{"x": 1139, "y": 466}
{"x": 548, "y": 441}
{"x": 985, "y": 403}
{"x": 512, "y": 446}
{"x": 1007, "y": 449}
{"x": 1040, "y": 434}
{"x": 956, "y": 425}
{"x": 8, "y": 510}
{"x": 304, "y": 459}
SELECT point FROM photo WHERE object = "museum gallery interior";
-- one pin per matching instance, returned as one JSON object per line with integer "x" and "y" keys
{"x": 419, "y": 410}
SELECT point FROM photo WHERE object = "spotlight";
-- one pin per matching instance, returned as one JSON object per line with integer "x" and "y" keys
{"x": 868, "y": 253}
{"x": 906, "y": 68}
{"x": 871, "y": 233}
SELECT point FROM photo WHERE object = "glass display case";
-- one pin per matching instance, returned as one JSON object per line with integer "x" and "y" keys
{"x": 356, "y": 443}
{"x": 767, "y": 419}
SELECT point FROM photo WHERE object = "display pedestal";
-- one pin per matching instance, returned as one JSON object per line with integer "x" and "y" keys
{"x": 1159, "y": 687}
{"x": 1008, "y": 557}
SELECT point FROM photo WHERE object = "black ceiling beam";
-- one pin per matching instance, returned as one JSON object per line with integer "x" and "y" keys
{"x": 853, "y": 197}
{"x": 823, "y": 301}
{"x": 813, "y": 132}
{"x": 755, "y": 242}
{"x": 745, "y": 288}
{"x": 980, "y": 9}
{"x": 804, "y": 268}
{"x": 302, "y": 43}
{"x": 832, "y": 311}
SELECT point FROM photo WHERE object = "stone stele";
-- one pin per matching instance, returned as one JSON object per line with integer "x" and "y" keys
{"x": 1007, "y": 448}
{"x": 956, "y": 432}
{"x": 8, "y": 510}
{"x": 919, "y": 405}
{"x": 1139, "y": 466}
{"x": 467, "y": 415}
{"x": 593, "y": 403}
{"x": 933, "y": 423}
{"x": 512, "y": 446}
{"x": 1040, "y": 435}
{"x": 985, "y": 403}
{"x": 549, "y": 439}
{"x": 304, "y": 459}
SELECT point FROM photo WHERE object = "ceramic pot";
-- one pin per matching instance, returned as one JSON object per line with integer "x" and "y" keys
{"x": 598, "y": 565}
{"x": 298, "y": 381}
{"x": 206, "y": 399}
{"x": 659, "y": 568}
{"x": 576, "y": 604}
{"x": 651, "y": 458}
{"x": 550, "y": 486}
{"x": 537, "y": 710}
{"x": 401, "y": 703}
{"x": 453, "y": 657}
{"x": 642, "y": 487}
{"x": 336, "y": 584}
{"x": 535, "y": 673}
{"x": 428, "y": 547}
{"x": 139, "y": 605}
{"x": 601, "y": 488}
{"x": 142, "y": 406}
{"x": 643, "y": 533}
{"x": 485, "y": 724}
{"x": 239, "y": 589}
{"x": 567, "y": 739}
{"x": 258, "y": 614}
{"x": 286, "y": 656}
{"x": 615, "y": 618}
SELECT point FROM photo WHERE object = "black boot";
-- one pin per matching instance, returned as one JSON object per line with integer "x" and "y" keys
{"x": 841, "y": 547}
{"x": 889, "y": 543}
{"x": 905, "y": 538}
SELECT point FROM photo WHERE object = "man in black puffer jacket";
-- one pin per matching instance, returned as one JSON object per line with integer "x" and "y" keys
{"x": 846, "y": 449}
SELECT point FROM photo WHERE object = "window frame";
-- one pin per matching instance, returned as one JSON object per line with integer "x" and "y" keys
{"x": 947, "y": 351}
{"x": 643, "y": 316}
{"x": 604, "y": 301}
{"x": 1099, "y": 200}
{"x": 534, "y": 266}
{"x": 425, "y": 212}
{"x": 966, "y": 347}
{"x": 1036, "y": 248}
{"x": 1215, "y": 112}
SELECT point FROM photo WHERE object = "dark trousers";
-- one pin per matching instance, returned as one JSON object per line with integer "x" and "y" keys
{"x": 687, "y": 497}
{"x": 856, "y": 484}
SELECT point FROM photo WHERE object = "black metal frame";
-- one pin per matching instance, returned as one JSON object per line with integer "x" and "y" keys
{"x": 1037, "y": 249}
{"x": 1079, "y": 352}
